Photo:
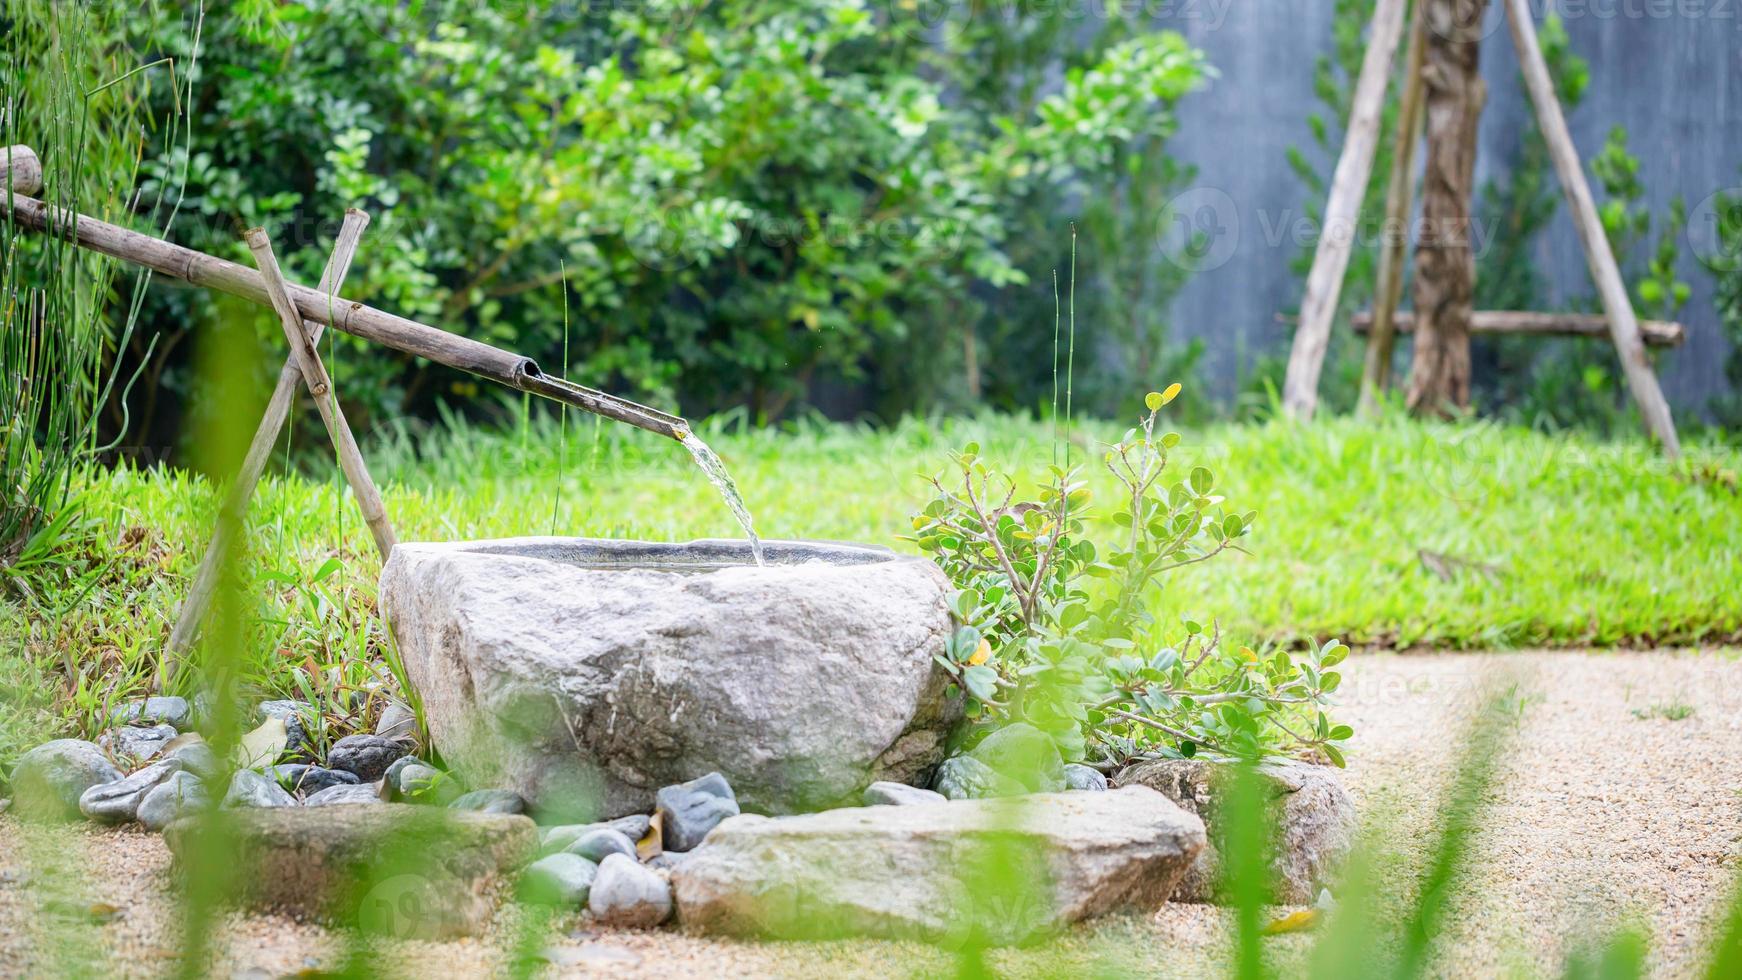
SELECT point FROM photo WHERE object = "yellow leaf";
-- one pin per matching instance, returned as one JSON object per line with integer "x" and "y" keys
{"x": 1153, "y": 402}
{"x": 1294, "y": 922}
{"x": 982, "y": 653}
{"x": 1171, "y": 393}
{"x": 652, "y": 842}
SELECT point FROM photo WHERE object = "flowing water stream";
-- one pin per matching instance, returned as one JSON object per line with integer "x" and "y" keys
{"x": 711, "y": 464}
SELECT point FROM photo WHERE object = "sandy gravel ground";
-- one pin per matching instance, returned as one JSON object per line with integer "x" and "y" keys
{"x": 1620, "y": 804}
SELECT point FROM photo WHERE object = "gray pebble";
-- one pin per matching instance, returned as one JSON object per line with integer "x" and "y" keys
{"x": 1025, "y": 754}
{"x": 195, "y": 755}
{"x": 668, "y": 860}
{"x": 900, "y": 794}
{"x": 967, "y": 778}
{"x": 397, "y": 722}
{"x": 634, "y": 827}
{"x": 299, "y": 777}
{"x": 692, "y": 809}
{"x": 1085, "y": 778}
{"x": 597, "y": 844}
{"x": 392, "y": 776}
{"x": 139, "y": 743}
{"x": 628, "y": 895}
{"x": 48, "y": 780}
{"x": 251, "y": 789}
{"x": 118, "y": 802}
{"x": 176, "y": 797}
{"x": 154, "y": 711}
{"x": 364, "y": 756}
{"x": 557, "y": 879}
{"x": 344, "y": 795}
{"x": 490, "y": 801}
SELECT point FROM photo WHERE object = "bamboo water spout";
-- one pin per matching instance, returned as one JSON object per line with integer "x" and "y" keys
{"x": 20, "y": 176}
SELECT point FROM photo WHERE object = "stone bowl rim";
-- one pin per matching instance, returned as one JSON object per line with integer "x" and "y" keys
{"x": 695, "y": 555}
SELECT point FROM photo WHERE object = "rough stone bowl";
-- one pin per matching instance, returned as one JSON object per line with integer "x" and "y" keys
{"x": 586, "y": 674}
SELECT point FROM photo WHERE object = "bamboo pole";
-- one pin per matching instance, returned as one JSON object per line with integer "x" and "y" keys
{"x": 352, "y": 317}
{"x": 1655, "y": 333}
{"x": 1623, "y": 324}
{"x": 1300, "y": 392}
{"x": 1399, "y": 197}
{"x": 235, "y": 507}
{"x": 320, "y": 385}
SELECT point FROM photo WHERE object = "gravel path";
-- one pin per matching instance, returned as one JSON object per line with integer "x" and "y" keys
{"x": 1620, "y": 803}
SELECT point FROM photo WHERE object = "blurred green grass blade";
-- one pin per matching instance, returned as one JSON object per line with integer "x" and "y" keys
{"x": 1244, "y": 842}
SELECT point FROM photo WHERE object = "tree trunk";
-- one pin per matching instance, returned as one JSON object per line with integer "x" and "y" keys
{"x": 1445, "y": 267}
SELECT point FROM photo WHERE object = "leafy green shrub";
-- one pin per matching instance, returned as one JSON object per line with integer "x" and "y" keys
{"x": 743, "y": 199}
{"x": 1056, "y": 629}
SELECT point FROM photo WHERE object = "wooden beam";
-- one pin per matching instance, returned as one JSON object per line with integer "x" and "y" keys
{"x": 1300, "y": 391}
{"x": 1399, "y": 199}
{"x": 232, "y": 513}
{"x": 1623, "y": 324}
{"x": 314, "y": 376}
{"x": 1657, "y": 333}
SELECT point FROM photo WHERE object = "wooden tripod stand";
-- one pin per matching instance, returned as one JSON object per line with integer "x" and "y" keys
{"x": 1451, "y": 149}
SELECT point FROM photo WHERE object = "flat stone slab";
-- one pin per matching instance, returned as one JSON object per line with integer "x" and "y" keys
{"x": 402, "y": 870}
{"x": 585, "y": 675}
{"x": 1000, "y": 871}
{"x": 1314, "y": 816}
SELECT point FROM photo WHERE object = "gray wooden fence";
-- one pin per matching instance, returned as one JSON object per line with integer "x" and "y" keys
{"x": 1670, "y": 71}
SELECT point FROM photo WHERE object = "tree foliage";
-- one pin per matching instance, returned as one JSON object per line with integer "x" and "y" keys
{"x": 741, "y": 199}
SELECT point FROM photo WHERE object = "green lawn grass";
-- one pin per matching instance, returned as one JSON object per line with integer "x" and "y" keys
{"x": 1538, "y": 540}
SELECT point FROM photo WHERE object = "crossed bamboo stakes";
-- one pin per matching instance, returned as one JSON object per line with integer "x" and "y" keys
{"x": 1348, "y": 185}
{"x": 303, "y": 365}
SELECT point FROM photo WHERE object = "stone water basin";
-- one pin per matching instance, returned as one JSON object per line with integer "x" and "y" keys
{"x": 586, "y": 674}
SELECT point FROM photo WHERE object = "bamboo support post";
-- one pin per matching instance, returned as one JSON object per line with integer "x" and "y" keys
{"x": 1399, "y": 197}
{"x": 1655, "y": 333}
{"x": 320, "y": 385}
{"x": 1623, "y": 324}
{"x": 241, "y": 493}
{"x": 1300, "y": 390}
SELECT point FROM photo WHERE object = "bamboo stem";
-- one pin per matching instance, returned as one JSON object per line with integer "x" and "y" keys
{"x": 1300, "y": 392}
{"x": 1623, "y": 324}
{"x": 235, "y": 506}
{"x": 1399, "y": 197}
{"x": 354, "y": 318}
{"x": 320, "y": 385}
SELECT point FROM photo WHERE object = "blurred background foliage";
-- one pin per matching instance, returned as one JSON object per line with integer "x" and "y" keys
{"x": 851, "y": 206}
{"x": 761, "y": 205}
